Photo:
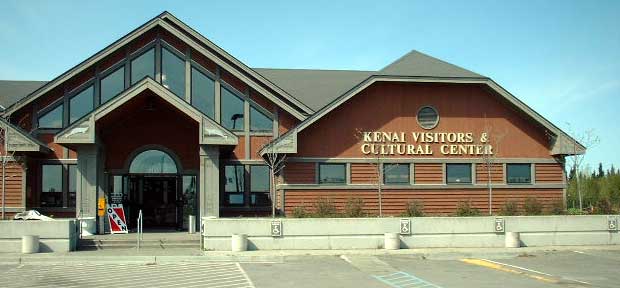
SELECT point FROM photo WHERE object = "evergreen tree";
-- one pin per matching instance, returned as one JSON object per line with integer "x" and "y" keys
{"x": 601, "y": 173}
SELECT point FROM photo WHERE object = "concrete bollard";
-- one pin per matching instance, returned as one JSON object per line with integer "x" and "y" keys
{"x": 391, "y": 241}
{"x": 239, "y": 242}
{"x": 512, "y": 239}
{"x": 191, "y": 224}
{"x": 30, "y": 244}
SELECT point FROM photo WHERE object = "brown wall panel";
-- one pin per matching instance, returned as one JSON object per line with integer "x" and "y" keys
{"x": 257, "y": 143}
{"x": 364, "y": 173}
{"x": 204, "y": 61}
{"x": 392, "y": 107}
{"x": 13, "y": 185}
{"x": 299, "y": 173}
{"x": 436, "y": 202}
{"x": 287, "y": 121}
{"x": 173, "y": 40}
{"x": 428, "y": 173}
{"x": 131, "y": 127}
{"x": 482, "y": 173}
{"x": 57, "y": 149}
{"x": 233, "y": 81}
{"x": 549, "y": 173}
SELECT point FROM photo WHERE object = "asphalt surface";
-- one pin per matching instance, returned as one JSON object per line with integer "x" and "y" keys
{"x": 569, "y": 268}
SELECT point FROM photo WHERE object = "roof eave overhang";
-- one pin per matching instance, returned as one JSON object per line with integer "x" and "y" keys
{"x": 18, "y": 140}
{"x": 83, "y": 131}
{"x": 561, "y": 143}
{"x": 160, "y": 21}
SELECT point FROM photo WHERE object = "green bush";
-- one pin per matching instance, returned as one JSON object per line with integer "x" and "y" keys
{"x": 354, "y": 207}
{"x": 557, "y": 208}
{"x": 510, "y": 208}
{"x": 603, "y": 207}
{"x": 324, "y": 208}
{"x": 532, "y": 206}
{"x": 465, "y": 209}
{"x": 300, "y": 212}
{"x": 414, "y": 209}
{"x": 574, "y": 211}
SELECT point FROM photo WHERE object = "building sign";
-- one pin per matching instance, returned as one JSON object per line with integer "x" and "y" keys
{"x": 420, "y": 143}
{"x": 116, "y": 217}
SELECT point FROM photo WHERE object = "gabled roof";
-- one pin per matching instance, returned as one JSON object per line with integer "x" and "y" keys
{"x": 419, "y": 64}
{"x": 199, "y": 43}
{"x": 13, "y": 91}
{"x": 315, "y": 88}
{"x": 20, "y": 140}
{"x": 83, "y": 130}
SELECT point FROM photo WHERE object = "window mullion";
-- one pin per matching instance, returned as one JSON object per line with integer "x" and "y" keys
{"x": 65, "y": 185}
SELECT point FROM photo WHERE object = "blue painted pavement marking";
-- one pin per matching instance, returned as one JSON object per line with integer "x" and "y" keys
{"x": 404, "y": 280}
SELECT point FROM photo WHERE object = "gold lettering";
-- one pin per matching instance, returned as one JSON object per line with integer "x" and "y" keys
{"x": 367, "y": 137}
{"x": 444, "y": 149}
{"x": 366, "y": 149}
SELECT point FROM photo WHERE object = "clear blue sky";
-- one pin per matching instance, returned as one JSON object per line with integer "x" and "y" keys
{"x": 560, "y": 57}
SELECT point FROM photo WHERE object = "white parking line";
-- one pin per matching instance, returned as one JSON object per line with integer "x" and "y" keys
{"x": 535, "y": 271}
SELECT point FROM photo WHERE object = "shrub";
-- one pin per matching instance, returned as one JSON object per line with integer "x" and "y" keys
{"x": 354, "y": 207}
{"x": 300, "y": 212}
{"x": 510, "y": 208}
{"x": 414, "y": 209}
{"x": 557, "y": 208}
{"x": 532, "y": 206}
{"x": 603, "y": 207}
{"x": 465, "y": 209}
{"x": 324, "y": 208}
{"x": 574, "y": 211}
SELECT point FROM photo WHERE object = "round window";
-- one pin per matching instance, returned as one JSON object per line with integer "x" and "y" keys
{"x": 428, "y": 117}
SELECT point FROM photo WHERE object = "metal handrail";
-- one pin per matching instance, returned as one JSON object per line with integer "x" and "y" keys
{"x": 140, "y": 235}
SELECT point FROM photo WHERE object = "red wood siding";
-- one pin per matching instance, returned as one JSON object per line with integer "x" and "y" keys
{"x": 428, "y": 173}
{"x": 549, "y": 173}
{"x": 13, "y": 177}
{"x": 299, "y": 173}
{"x": 436, "y": 202}
{"x": 497, "y": 173}
{"x": 363, "y": 173}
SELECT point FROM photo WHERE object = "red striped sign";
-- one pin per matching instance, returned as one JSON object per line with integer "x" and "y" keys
{"x": 116, "y": 217}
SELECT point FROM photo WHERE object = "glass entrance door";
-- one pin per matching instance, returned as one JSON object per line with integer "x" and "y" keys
{"x": 157, "y": 197}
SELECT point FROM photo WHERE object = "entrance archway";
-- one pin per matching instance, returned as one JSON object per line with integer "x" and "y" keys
{"x": 155, "y": 183}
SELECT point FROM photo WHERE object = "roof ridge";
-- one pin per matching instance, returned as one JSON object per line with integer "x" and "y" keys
{"x": 414, "y": 53}
{"x": 311, "y": 69}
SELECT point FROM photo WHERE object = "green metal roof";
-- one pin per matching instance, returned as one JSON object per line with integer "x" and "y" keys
{"x": 12, "y": 91}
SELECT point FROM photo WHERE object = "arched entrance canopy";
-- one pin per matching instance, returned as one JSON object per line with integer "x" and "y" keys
{"x": 153, "y": 162}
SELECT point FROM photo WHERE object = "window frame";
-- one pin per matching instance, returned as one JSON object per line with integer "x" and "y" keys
{"x": 344, "y": 169}
{"x": 243, "y": 191}
{"x": 259, "y": 110}
{"x": 417, "y": 118}
{"x": 241, "y": 97}
{"x": 137, "y": 54}
{"x": 385, "y": 178}
{"x": 181, "y": 56}
{"x": 58, "y": 103}
{"x": 87, "y": 85}
{"x": 471, "y": 180}
{"x": 207, "y": 74}
{"x": 111, "y": 70}
{"x": 253, "y": 192}
{"x": 519, "y": 164}
{"x": 62, "y": 185}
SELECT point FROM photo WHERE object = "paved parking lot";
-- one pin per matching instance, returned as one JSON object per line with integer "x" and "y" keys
{"x": 588, "y": 268}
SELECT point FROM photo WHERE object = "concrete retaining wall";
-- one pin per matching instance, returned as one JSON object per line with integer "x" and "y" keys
{"x": 368, "y": 233}
{"x": 55, "y": 236}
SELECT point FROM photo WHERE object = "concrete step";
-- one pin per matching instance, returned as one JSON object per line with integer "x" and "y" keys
{"x": 107, "y": 244}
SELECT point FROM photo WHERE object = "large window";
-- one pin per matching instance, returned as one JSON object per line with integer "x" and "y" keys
{"x": 153, "y": 161}
{"x": 81, "y": 104}
{"x": 259, "y": 185}
{"x": 234, "y": 185}
{"x": 458, "y": 173}
{"x": 332, "y": 173}
{"x": 51, "y": 185}
{"x": 396, "y": 173}
{"x": 112, "y": 84}
{"x": 203, "y": 93}
{"x": 72, "y": 185}
{"x": 518, "y": 173}
{"x": 173, "y": 72}
{"x": 52, "y": 119}
{"x": 143, "y": 66}
{"x": 232, "y": 111}
{"x": 259, "y": 121}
